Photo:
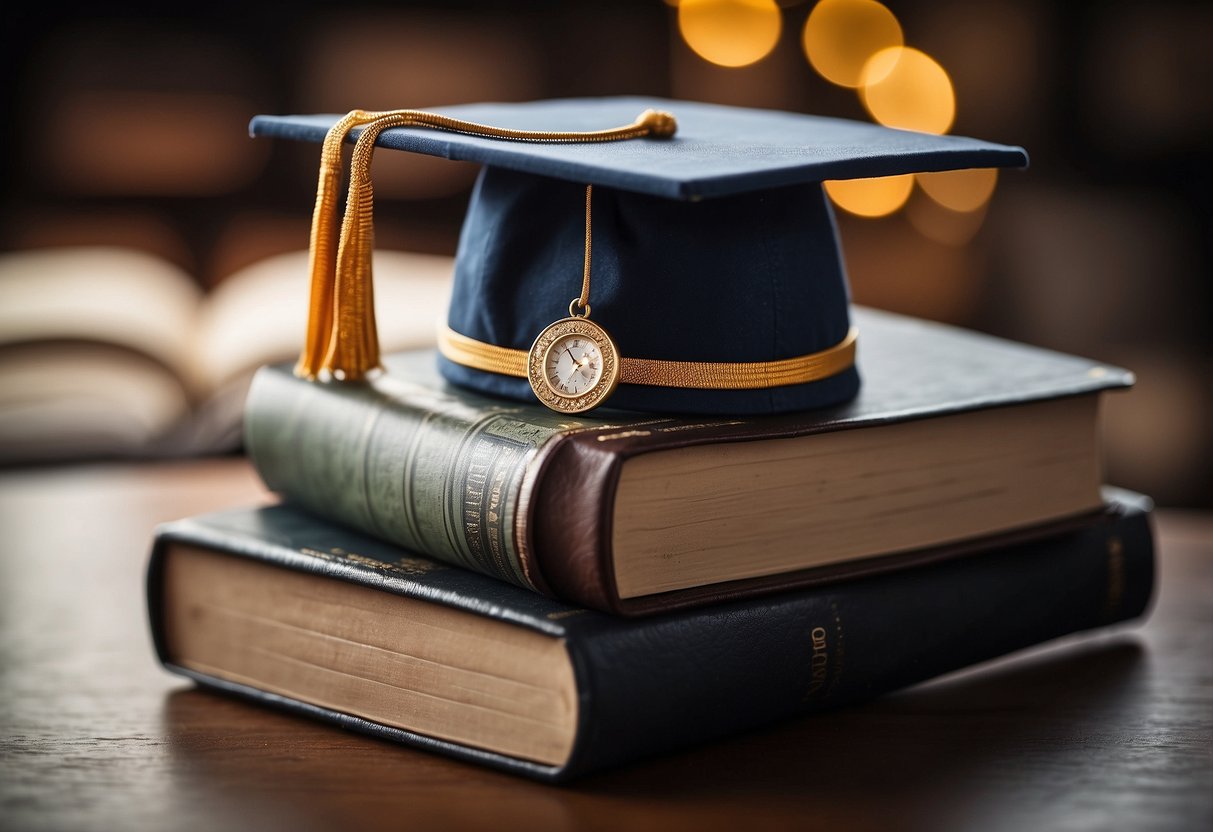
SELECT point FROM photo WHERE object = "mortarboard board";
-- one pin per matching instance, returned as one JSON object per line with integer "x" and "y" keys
{"x": 716, "y": 267}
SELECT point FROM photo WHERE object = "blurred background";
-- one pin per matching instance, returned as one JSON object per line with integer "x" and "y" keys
{"x": 127, "y": 136}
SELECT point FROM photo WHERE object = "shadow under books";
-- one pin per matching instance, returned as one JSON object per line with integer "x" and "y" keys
{"x": 914, "y": 749}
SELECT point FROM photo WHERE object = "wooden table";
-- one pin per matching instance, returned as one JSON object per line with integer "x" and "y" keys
{"x": 1106, "y": 731}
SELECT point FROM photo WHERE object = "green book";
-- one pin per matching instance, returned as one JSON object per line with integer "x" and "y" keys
{"x": 956, "y": 438}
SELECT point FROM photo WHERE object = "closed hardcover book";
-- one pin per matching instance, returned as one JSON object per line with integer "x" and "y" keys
{"x": 955, "y": 437}
{"x": 277, "y": 606}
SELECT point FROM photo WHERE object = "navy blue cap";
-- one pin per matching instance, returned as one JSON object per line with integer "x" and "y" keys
{"x": 714, "y": 245}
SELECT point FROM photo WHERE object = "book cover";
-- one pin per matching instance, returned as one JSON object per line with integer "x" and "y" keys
{"x": 529, "y": 496}
{"x": 651, "y": 685}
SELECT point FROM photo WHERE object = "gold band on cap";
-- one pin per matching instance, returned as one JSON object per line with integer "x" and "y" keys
{"x": 699, "y": 375}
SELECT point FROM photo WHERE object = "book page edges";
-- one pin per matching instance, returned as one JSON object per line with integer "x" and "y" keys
{"x": 396, "y": 661}
{"x": 687, "y": 517}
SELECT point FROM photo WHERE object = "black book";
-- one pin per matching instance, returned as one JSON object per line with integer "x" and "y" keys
{"x": 280, "y": 607}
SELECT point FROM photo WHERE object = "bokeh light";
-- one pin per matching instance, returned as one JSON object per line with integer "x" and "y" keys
{"x": 877, "y": 197}
{"x": 840, "y": 37}
{"x": 943, "y": 225}
{"x": 730, "y": 32}
{"x": 960, "y": 190}
{"x": 906, "y": 88}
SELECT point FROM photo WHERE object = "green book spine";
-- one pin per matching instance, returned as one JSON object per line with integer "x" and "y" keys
{"x": 435, "y": 473}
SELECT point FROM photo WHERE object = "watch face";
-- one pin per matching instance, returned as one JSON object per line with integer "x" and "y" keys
{"x": 573, "y": 365}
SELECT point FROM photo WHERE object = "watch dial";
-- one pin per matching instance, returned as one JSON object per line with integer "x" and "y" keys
{"x": 573, "y": 365}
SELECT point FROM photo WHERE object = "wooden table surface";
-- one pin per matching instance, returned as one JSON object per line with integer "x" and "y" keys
{"x": 1105, "y": 731}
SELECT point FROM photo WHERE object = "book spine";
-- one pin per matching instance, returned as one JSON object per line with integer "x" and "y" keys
{"x": 675, "y": 680}
{"x": 403, "y": 463}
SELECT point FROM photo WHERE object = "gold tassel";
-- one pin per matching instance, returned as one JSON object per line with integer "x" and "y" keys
{"x": 321, "y": 266}
{"x": 342, "y": 339}
{"x": 353, "y": 348}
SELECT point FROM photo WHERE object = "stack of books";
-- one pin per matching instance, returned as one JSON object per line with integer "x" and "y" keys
{"x": 550, "y": 596}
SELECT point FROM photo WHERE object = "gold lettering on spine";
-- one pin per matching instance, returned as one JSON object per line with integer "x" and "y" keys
{"x": 819, "y": 663}
{"x": 473, "y": 496}
{"x": 825, "y": 665}
{"x": 408, "y": 566}
{"x": 496, "y": 537}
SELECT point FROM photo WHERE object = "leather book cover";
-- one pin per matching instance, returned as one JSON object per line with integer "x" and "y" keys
{"x": 480, "y": 482}
{"x": 656, "y": 684}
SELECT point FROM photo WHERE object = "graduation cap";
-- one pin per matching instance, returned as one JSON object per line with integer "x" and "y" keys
{"x": 715, "y": 285}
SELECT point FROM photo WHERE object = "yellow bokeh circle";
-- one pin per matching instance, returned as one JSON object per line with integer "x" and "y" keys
{"x": 908, "y": 89}
{"x": 960, "y": 190}
{"x": 730, "y": 32}
{"x": 840, "y": 37}
{"x": 943, "y": 225}
{"x": 877, "y": 197}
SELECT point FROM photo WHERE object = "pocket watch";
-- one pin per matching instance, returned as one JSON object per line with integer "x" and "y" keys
{"x": 573, "y": 365}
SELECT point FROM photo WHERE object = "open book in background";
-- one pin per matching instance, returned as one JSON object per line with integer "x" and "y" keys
{"x": 114, "y": 352}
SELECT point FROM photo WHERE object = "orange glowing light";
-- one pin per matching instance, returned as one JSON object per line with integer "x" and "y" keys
{"x": 906, "y": 88}
{"x": 840, "y": 37}
{"x": 730, "y": 32}
{"x": 877, "y": 197}
{"x": 960, "y": 190}
{"x": 943, "y": 225}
